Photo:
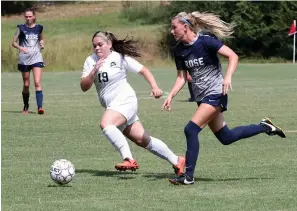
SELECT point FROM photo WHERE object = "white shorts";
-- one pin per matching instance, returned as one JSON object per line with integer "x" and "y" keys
{"x": 127, "y": 106}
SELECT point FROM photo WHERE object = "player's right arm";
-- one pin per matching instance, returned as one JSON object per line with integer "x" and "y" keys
{"x": 179, "y": 83}
{"x": 89, "y": 74}
{"x": 15, "y": 41}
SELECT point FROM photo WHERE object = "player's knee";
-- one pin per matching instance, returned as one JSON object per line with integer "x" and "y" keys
{"x": 26, "y": 86}
{"x": 37, "y": 84}
{"x": 191, "y": 129}
{"x": 106, "y": 125}
{"x": 225, "y": 136}
{"x": 225, "y": 141}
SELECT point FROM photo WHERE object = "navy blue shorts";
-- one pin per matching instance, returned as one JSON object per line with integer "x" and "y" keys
{"x": 27, "y": 68}
{"x": 216, "y": 100}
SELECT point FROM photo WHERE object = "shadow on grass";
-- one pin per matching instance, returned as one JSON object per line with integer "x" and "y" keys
{"x": 229, "y": 179}
{"x": 59, "y": 186}
{"x": 124, "y": 175}
{"x": 19, "y": 112}
{"x": 156, "y": 176}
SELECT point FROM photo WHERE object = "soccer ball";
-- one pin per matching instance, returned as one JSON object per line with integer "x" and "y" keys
{"x": 62, "y": 171}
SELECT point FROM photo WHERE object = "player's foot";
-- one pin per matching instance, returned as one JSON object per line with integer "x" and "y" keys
{"x": 182, "y": 180}
{"x": 127, "y": 164}
{"x": 26, "y": 109}
{"x": 40, "y": 110}
{"x": 180, "y": 166}
{"x": 272, "y": 129}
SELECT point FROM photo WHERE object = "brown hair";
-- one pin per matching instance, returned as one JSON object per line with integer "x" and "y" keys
{"x": 124, "y": 47}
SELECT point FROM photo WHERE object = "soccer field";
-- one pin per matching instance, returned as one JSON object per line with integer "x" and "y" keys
{"x": 252, "y": 174}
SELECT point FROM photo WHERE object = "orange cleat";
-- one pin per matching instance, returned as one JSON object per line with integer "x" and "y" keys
{"x": 127, "y": 164}
{"x": 25, "y": 112}
{"x": 180, "y": 166}
{"x": 40, "y": 110}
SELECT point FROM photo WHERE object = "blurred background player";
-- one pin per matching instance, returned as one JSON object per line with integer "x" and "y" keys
{"x": 28, "y": 39}
{"x": 107, "y": 68}
{"x": 197, "y": 54}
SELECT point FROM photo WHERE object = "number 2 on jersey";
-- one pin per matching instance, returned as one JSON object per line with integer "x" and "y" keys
{"x": 102, "y": 77}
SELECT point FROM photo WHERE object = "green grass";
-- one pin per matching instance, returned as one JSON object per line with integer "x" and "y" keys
{"x": 68, "y": 40}
{"x": 252, "y": 174}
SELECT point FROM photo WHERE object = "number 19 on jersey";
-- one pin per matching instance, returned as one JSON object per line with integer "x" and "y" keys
{"x": 103, "y": 77}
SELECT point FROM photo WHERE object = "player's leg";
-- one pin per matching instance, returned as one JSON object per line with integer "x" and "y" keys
{"x": 26, "y": 86}
{"x": 37, "y": 72}
{"x": 136, "y": 133}
{"x": 110, "y": 122}
{"x": 203, "y": 115}
{"x": 227, "y": 136}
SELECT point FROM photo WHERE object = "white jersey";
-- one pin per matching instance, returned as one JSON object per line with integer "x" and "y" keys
{"x": 111, "y": 78}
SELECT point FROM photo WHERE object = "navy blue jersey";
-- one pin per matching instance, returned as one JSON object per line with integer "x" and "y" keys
{"x": 200, "y": 59}
{"x": 29, "y": 38}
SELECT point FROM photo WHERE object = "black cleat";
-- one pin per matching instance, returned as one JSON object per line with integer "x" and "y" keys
{"x": 182, "y": 180}
{"x": 272, "y": 129}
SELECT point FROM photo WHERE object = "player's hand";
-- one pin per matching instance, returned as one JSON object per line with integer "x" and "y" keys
{"x": 156, "y": 92}
{"x": 99, "y": 64}
{"x": 227, "y": 85}
{"x": 167, "y": 103}
{"x": 41, "y": 46}
{"x": 189, "y": 78}
{"x": 24, "y": 50}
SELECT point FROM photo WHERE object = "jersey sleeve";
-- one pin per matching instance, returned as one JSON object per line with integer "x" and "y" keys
{"x": 40, "y": 29}
{"x": 179, "y": 63}
{"x": 211, "y": 43}
{"x": 87, "y": 68}
{"x": 132, "y": 65}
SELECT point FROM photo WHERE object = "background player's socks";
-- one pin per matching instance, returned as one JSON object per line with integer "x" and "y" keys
{"x": 26, "y": 100}
{"x": 191, "y": 131}
{"x": 159, "y": 148}
{"x": 227, "y": 136}
{"x": 39, "y": 98}
{"x": 118, "y": 140}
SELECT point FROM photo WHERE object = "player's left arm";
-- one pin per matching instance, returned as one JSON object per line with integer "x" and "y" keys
{"x": 232, "y": 57}
{"x": 149, "y": 77}
{"x": 41, "y": 41}
{"x": 232, "y": 65}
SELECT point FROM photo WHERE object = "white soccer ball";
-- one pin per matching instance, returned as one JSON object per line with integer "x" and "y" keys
{"x": 62, "y": 171}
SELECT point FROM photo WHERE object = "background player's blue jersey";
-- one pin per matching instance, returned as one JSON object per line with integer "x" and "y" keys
{"x": 29, "y": 38}
{"x": 200, "y": 59}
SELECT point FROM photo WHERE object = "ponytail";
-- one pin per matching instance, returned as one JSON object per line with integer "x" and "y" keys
{"x": 207, "y": 22}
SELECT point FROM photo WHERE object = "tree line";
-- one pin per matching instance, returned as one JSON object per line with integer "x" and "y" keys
{"x": 261, "y": 31}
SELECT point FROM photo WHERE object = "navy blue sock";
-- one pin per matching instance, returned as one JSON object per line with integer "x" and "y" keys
{"x": 227, "y": 136}
{"x": 191, "y": 131}
{"x": 26, "y": 98}
{"x": 191, "y": 90}
{"x": 39, "y": 98}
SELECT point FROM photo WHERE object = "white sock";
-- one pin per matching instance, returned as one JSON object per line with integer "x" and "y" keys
{"x": 118, "y": 140}
{"x": 159, "y": 148}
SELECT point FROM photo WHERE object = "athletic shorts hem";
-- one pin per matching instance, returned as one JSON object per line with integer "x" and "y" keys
{"x": 216, "y": 100}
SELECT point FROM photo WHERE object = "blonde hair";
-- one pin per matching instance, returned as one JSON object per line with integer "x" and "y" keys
{"x": 207, "y": 22}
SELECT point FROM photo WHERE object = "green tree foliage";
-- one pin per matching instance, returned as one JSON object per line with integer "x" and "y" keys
{"x": 14, "y": 7}
{"x": 261, "y": 31}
